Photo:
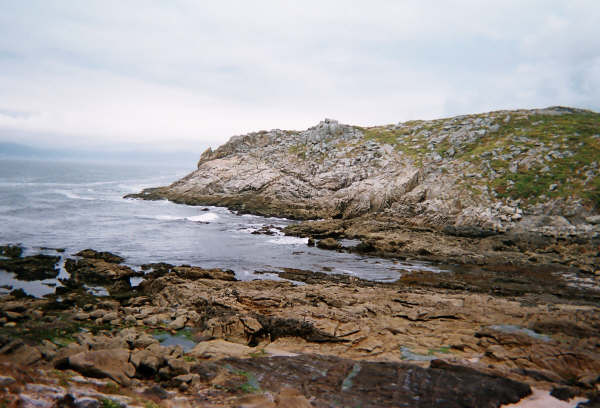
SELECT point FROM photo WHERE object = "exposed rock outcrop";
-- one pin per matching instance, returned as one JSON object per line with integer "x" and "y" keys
{"x": 472, "y": 338}
{"x": 533, "y": 174}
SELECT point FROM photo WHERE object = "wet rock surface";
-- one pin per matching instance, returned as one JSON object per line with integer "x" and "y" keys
{"x": 35, "y": 267}
{"x": 106, "y": 256}
{"x": 92, "y": 270}
{"x": 188, "y": 272}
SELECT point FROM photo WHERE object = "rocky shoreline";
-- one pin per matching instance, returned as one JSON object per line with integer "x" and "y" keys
{"x": 507, "y": 200}
{"x": 508, "y": 187}
{"x": 188, "y": 336}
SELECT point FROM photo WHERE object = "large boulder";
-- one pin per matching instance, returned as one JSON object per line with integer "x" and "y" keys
{"x": 333, "y": 381}
{"x": 91, "y": 270}
{"x": 329, "y": 243}
{"x": 109, "y": 363}
{"x": 194, "y": 272}
{"x": 214, "y": 349}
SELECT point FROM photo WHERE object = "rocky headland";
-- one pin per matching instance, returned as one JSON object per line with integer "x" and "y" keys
{"x": 508, "y": 187}
{"x": 507, "y": 200}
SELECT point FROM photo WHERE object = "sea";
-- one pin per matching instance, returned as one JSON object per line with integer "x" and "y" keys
{"x": 74, "y": 205}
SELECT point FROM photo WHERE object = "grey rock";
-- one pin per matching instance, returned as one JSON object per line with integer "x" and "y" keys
{"x": 86, "y": 402}
{"x": 333, "y": 170}
{"x": 33, "y": 401}
{"x": 6, "y": 380}
{"x": 594, "y": 219}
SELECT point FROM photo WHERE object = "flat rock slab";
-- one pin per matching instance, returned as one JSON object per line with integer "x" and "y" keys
{"x": 331, "y": 381}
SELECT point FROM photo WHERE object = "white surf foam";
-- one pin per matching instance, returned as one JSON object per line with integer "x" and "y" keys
{"x": 73, "y": 196}
{"x": 168, "y": 218}
{"x": 283, "y": 240}
{"x": 208, "y": 217}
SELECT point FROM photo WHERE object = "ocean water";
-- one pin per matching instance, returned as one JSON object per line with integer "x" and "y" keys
{"x": 78, "y": 205}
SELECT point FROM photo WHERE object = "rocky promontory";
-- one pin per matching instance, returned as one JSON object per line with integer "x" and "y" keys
{"x": 519, "y": 187}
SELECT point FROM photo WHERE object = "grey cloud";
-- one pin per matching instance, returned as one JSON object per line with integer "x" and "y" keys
{"x": 182, "y": 72}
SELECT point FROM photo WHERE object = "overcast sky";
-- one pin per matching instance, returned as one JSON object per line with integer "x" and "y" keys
{"x": 187, "y": 74}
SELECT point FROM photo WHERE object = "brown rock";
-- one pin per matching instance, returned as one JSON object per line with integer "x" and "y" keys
{"x": 146, "y": 362}
{"x": 215, "y": 349}
{"x": 110, "y": 363}
{"x": 144, "y": 340}
{"x": 292, "y": 398}
{"x": 105, "y": 256}
{"x": 81, "y": 316}
{"x": 178, "y": 323}
{"x": 194, "y": 272}
{"x": 26, "y": 355}
{"x": 329, "y": 243}
{"x": 251, "y": 324}
{"x": 97, "y": 271}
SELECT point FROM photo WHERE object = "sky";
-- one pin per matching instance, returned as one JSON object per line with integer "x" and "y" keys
{"x": 181, "y": 75}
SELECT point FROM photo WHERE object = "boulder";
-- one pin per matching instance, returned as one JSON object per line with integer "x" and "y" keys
{"x": 333, "y": 381}
{"x": 178, "y": 323}
{"x": 215, "y": 349}
{"x": 109, "y": 363}
{"x": 11, "y": 251}
{"x": 195, "y": 272}
{"x": 97, "y": 271}
{"x": 146, "y": 362}
{"x": 329, "y": 243}
{"x": 105, "y": 256}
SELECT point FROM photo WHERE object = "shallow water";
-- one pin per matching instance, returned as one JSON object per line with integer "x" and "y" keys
{"x": 78, "y": 205}
{"x": 509, "y": 328}
{"x": 180, "y": 339}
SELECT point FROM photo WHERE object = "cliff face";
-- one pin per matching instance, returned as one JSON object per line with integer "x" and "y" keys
{"x": 525, "y": 170}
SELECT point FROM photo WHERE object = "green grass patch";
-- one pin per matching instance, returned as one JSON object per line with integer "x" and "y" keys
{"x": 442, "y": 350}
{"x": 298, "y": 150}
{"x": 108, "y": 403}
{"x": 259, "y": 353}
{"x": 574, "y": 134}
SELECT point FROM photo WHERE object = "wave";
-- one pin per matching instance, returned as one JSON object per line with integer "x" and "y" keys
{"x": 208, "y": 217}
{"x": 168, "y": 218}
{"x": 73, "y": 196}
{"x": 283, "y": 240}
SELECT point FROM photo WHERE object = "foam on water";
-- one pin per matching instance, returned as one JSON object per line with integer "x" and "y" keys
{"x": 284, "y": 240}
{"x": 167, "y": 217}
{"x": 208, "y": 217}
{"x": 73, "y": 196}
